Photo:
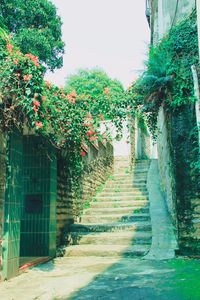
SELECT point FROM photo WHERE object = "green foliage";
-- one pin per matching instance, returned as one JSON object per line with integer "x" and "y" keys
{"x": 168, "y": 78}
{"x": 106, "y": 97}
{"x": 69, "y": 119}
{"x": 36, "y": 29}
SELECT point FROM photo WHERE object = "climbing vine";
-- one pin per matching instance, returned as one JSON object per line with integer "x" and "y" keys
{"x": 68, "y": 117}
{"x": 167, "y": 80}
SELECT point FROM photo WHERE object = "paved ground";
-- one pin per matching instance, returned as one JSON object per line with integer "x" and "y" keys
{"x": 105, "y": 278}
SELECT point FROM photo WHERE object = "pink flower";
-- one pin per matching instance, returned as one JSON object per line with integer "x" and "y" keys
{"x": 48, "y": 84}
{"x": 33, "y": 58}
{"x": 36, "y": 103}
{"x": 27, "y": 77}
{"x": 106, "y": 90}
{"x": 72, "y": 97}
{"x": 38, "y": 124}
{"x": 43, "y": 98}
{"x": 16, "y": 61}
{"x": 10, "y": 47}
{"x": 83, "y": 153}
{"x": 90, "y": 133}
{"x": 93, "y": 138}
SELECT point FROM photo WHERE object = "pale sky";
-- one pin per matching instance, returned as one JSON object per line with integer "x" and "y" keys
{"x": 110, "y": 34}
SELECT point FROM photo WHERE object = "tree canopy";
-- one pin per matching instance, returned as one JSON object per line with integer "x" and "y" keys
{"x": 106, "y": 95}
{"x": 36, "y": 29}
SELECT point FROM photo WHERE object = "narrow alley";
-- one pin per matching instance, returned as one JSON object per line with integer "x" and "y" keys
{"x": 112, "y": 255}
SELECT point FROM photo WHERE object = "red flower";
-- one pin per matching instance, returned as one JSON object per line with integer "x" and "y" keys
{"x": 16, "y": 61}
{"x": 36, "y": 103}
{"x": 27, "y": 77}
{"x": 38, "y": 124}
{"x": 48, "y": 84}
{"x": 35, "y": 109}
{"x": 10, "y": 47}
{"x": 91, "y": 133}
{"x": 72, "y": 97}
{"x": 93, "y": 138}
{"x": 33, "y": 58}
{"x": 18, "y": 52}
{"x": 106, "y": 90}
{"x": 43, "y": 98}
{"x": 83, "y": 153}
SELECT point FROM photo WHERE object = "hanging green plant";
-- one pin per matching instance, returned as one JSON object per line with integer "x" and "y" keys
{"x": 168, "y": 80}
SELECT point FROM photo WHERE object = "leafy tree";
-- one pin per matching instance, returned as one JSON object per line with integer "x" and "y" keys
{"x": 105, "y": 94}
{"x": 36, "y": 29}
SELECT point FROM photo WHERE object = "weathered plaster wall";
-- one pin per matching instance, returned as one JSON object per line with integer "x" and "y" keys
{"x": 166, "y": 13}
{"x": 165, "y": 163}
{"x": 99, "y": 164}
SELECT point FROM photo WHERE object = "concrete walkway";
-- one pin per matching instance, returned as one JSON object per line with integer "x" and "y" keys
{"x": 159, "y": 276}
{"x": 163, "y": 236}
{"x": 107, "y": 279}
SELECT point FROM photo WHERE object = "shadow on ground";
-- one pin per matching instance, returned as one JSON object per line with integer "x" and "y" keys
{"x": 136, "y": 279}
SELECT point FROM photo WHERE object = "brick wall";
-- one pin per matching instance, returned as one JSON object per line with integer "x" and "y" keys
{"x": 98, "y": 166}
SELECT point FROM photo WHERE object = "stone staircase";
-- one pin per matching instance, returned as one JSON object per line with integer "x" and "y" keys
{"x": 117, "y": 224}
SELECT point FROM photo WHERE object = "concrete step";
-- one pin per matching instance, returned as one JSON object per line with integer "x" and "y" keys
{"x": 120, "y": 193}
{"x": 121, "y": 198}
{"x": 115, "y": 218}
{"x": 107, "y": 238}
{"x": 116, "y": 210}
{"x": 116, "y": 189}
{"x": 127, "y": 181}
{"x": 110, "y": 227}
{"x": 122, "y": 177}
{"x": 108, "y": 251}
{"x": 125, "y": 185}
{"x": 124, "y": 171}
{"x": 118, "y": 203}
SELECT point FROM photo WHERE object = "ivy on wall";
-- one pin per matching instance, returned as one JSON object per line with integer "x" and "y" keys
{"x": 168, "y": 77}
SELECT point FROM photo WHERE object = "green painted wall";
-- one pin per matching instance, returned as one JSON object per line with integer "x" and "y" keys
{"x": 12, "y": 209}
{"x": 29, "y": 226}
{"x": 38, "y": 221}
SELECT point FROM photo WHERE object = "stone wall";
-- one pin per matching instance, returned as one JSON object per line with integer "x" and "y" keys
{"x": 2, "y": 190}
{"x": 98, "y": 166}
{"x": 176, "y": 142}
{"x": 184, "y": 139}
